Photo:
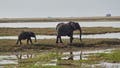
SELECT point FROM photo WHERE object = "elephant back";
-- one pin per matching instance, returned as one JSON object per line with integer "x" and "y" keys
{"x": 59, "y": 25}
{"x": 24, "y": 35}
{"x": 64, "y": 29}
{"x": 31, "y": 34}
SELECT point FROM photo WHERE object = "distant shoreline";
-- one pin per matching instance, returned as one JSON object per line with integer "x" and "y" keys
{"x": 58, "y": 19}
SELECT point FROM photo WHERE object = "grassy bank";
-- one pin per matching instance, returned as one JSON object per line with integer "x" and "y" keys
{"x": 52, "y": 31}
{"x": 49, "y": 44}
{"x": 99, "y": 18}
{"x": 113, "y": 57}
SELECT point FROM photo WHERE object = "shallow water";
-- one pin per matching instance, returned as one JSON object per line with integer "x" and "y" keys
{"x": 13, "y": 58}
{"x": 110, "y": 65}
{"x": 53, "y": 24}
{"x": 102, "y": 65}
{"x": 77, "y": 55}
{"x": 106, "y": 35}
{"x": 8, "y": 59}
{"x": 82, "y": 55}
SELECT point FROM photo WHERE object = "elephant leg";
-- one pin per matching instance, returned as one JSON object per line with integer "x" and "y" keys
{"x": 20, "y": 42}
{"x": 60, "y": 39}
{"x": 30, "y": 41}
{"x": 57, "y": 39}
{"x": 17, "y": 41}
{"x": 71, "y": 39}
{"x": 27, "y": 41}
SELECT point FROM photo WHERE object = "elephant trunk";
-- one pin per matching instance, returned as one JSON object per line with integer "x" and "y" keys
{"x": 80, "y": 34}
{"x": 35, "y": 39}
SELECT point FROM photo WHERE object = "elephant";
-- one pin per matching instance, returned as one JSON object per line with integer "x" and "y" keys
{"x": 66, "y": 29}
{"x": 26, "y": 35}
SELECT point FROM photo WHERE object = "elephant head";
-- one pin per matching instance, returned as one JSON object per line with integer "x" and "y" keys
{"x": 76, "y": 26}
{"x": 31, "y": 34}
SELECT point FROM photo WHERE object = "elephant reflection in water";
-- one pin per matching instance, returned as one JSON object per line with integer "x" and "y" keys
{"x": 26, "y": 35}
{"x": 66, "y": 29}
{"x": 22, "y": 56}
{"x": 71, "y": 57}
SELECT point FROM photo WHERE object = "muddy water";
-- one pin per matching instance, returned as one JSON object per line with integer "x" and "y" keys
{"x": 106, "y": 35}
{"x": 53, "y": 24}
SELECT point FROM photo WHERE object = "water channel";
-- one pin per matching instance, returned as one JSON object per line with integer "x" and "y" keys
{"x": 53, "y": 24}
{"x": 106, "y": 35}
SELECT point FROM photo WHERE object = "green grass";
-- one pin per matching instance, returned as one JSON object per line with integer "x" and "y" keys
{"x": 42, "y": 57}
{"x": 113, "y": 57}
{"x": 110, "y": 57}
{"x": 33, "y": 66}
{"x": 49, "y": 44}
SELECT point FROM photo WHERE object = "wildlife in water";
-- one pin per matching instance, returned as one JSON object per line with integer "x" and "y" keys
{"x": 26, "y": 35}
{"x": 66, "y": 29}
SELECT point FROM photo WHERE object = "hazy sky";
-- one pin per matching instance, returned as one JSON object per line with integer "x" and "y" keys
{"x": 58, "y": 8}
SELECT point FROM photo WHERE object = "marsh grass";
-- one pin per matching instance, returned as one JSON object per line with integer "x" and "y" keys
{"x": 34, "y": 66}
{"x": 49, "y": 44}
{"x": 97, "y": 58}
{"x": 52, "y": 31}
{"x": 31, "y": 66}
{"x": 48, "y": 54}
{"x": 113, "y": 57}
{"x": 41, "y": 58}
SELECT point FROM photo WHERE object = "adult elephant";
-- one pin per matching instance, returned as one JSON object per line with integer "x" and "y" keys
{"x": 26, "y": 35}
{"x": 66, "y": 29}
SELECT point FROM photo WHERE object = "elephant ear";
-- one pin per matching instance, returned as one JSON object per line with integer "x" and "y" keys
{"x": 30, "y": 33}
{"x": 72, "y": 24}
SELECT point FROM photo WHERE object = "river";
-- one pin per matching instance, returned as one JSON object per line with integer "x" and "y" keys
{"x": 53, "y": 24}
{"x": 106, "y": 35}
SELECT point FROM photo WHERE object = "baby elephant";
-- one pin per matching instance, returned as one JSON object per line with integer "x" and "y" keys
{"x": 26, "y": 35}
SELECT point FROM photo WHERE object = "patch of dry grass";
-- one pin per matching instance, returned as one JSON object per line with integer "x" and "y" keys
{"x": 52, "y": 31}
{"x": 49, "y": 44}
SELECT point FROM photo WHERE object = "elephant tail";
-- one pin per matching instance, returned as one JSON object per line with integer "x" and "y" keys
{"x": 80, "y": 34}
